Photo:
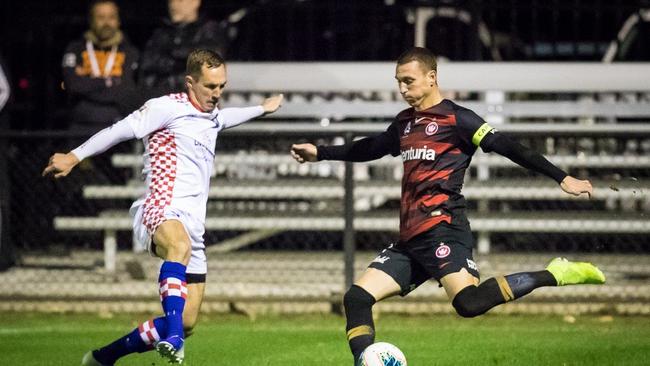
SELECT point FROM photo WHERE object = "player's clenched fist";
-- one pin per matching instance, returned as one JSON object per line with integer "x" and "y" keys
{"x": 60, "y": 165}
{"x": 576, "y": 187}
{"x": 304, "y": 152}
{"x": 272, "y": 104}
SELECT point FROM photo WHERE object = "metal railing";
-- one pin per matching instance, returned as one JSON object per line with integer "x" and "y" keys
{"x": 348, "y": 215}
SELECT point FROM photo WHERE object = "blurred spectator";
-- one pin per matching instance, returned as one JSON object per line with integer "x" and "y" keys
{"x": 5, "y": 89}
{"x": 631, "y": 43}
{"x": 162, "y": 68}
{"x": 5, "y": 93}
{"x": 6, "y": 248}
{"x": 455, "y": 33}
{"x": 98, "y": 71}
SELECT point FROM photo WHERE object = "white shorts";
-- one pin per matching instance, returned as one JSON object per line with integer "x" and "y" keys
{"x": 194, "y": 228}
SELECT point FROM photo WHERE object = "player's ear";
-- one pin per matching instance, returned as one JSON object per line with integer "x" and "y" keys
{"x": 432, "y": 78}
{"x": 189, "y": 81}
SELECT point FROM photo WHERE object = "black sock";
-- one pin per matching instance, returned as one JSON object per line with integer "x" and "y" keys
{"x": 525, "y": 282}
{"x": 360, "y": 327}
{"x": 476, "y": 300}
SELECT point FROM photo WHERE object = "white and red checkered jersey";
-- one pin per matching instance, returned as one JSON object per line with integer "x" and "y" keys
{"x": 179, "y": 141}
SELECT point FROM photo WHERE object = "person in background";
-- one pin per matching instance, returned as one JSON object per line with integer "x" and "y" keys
{"x": 162, "y": 68}
{"x": 99, "y": 70}
{"x": 6, "y": 249}
{"x": 5, "y": 89}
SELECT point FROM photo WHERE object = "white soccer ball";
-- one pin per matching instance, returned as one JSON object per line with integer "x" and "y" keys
{"x": 382, "y": 354}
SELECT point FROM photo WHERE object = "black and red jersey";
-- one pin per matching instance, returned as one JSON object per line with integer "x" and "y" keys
{"x": 436, "y": 146}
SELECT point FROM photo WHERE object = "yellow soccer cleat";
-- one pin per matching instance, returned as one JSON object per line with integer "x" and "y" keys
{"x": 575, "y": 273}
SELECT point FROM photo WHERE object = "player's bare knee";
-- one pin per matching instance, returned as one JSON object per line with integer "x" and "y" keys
{"x": 184, "y": 248}
{"x": 178, "y": 250}
{"x": 172, "y": 241}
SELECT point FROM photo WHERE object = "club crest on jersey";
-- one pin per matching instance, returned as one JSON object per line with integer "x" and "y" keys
{"x": 443, "y": 250}
{"x": 431, "y": 129}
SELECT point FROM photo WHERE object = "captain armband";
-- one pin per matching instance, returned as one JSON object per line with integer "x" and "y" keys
{"x": 481, "y": 133}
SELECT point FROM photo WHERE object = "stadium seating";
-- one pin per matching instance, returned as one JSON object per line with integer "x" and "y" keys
{"x": 587, "y": 118}
{"x": 296, "y": 282}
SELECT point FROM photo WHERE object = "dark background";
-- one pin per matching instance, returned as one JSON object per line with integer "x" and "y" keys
{"x": 35, "y": 33}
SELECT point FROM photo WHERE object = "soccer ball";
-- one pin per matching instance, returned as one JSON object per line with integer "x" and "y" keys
{"x": 382, "y": 354}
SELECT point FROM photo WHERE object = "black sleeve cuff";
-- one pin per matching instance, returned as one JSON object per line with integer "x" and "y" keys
{"x": 336, "y": 152}
{"x": 320, "y": 152}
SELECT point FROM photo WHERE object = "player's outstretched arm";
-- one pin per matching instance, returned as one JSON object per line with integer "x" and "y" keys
{"x": 532, "y": 160}
{"x": 60, "y": 165}
{"x": 272, "y": 104}
{"x": 304, "y": 152}
{"x": 576, "y": 187}
{"x": 231, "y": 117}
{"x": 522, "y": 155}
{"x": 366, "y": 149}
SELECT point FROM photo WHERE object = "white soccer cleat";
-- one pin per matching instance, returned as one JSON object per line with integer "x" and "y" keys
{"x": 167, "y": 351}
{"x": 180, "y": 354}
{"x": 89, "y": 360}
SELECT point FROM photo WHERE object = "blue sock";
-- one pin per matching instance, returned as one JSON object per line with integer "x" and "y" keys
{"x": 141, "y": 339}
{"x": 173, "y": 291}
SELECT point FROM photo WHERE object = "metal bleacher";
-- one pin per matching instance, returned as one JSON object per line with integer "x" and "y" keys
{"x": 547, "y": 104}
{"x": 295, "y": 282}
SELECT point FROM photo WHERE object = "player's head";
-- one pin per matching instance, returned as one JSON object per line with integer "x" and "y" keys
{"x": 183, "y": 11}
{"x": 416, "y": 75}
{"x": 205, "y": 78}
{"x": 104, "y": 18}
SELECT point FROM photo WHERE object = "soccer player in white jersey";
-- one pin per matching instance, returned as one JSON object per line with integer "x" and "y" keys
{"x": 179, "y": 132}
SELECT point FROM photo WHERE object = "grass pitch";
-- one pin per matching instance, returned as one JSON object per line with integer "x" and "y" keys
{"x": 303, "y": 340}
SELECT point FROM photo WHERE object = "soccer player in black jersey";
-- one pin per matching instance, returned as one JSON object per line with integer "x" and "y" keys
{"x": 436, "y": 139}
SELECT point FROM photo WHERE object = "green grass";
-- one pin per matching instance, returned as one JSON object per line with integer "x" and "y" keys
{"x": 42, "y": 339}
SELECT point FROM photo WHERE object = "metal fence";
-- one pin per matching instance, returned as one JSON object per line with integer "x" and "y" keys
{"x": 281, "y": 231}
{"x": 256, "y": 180}
{"x": 278, "y": 231}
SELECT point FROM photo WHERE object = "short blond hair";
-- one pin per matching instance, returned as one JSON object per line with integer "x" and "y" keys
{"x": 199, "y": 57}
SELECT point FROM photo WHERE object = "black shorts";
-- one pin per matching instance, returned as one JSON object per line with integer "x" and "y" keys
{"x": 445, "y": 249}
{"x": 195, "y": 278}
